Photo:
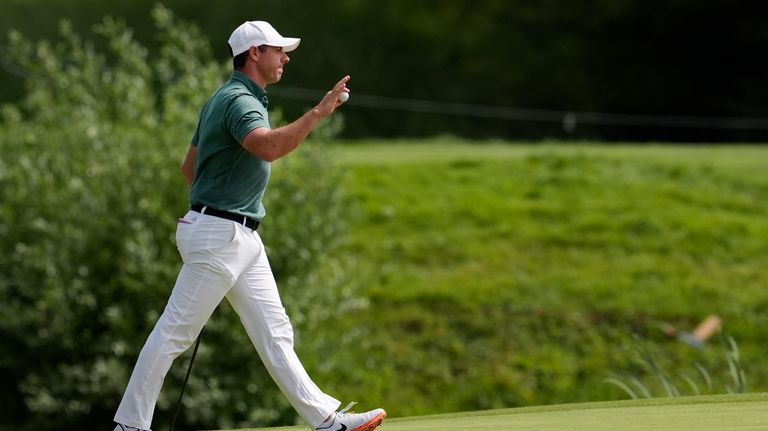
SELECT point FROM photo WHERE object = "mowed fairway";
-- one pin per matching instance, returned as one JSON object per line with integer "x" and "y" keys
{"x": 731, "y": 413}
{"x": 711, "y": 413}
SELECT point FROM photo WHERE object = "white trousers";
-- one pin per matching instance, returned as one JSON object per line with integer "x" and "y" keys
{"x": 221, "y": 259}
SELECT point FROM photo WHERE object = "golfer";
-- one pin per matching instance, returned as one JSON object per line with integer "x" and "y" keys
{"x": 228, "y": 167}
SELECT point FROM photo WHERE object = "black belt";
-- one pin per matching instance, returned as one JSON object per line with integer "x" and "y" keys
{"x": 243, "y": 220}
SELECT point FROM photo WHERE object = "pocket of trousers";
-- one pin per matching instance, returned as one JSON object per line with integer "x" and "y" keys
{"x": 185, "y": 229}
{"x": 207, "y": 239}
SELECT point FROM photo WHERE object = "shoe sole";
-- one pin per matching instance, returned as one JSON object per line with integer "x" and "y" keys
{"x": 372, "y": 424}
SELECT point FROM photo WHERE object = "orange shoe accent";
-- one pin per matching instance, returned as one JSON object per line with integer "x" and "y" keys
{"x": 372, "y": 424}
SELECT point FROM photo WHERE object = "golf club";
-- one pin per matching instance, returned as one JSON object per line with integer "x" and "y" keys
{"x": 186, "y": 378}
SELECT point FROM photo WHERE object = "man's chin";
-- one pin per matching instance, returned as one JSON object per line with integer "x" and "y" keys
{"x": 275, "y": 80}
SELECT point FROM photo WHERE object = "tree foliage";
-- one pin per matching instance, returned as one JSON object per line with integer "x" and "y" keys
{"x": 678, "y": 57}
{"x": 90, "y": 189}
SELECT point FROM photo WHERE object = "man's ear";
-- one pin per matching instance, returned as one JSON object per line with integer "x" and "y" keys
{"x": 254, "y": 53}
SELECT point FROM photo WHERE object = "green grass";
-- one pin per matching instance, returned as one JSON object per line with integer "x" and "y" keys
{"x": 711, "y": 413}
{"x": 506, "y": 275}
{"x": 524, "y": 276}
{"x": 731, "y": 157}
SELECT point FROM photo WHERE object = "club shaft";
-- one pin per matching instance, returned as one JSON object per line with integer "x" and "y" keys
{"x": 186, "y": 378}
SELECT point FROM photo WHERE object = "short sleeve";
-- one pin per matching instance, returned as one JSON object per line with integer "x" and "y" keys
{"x": 196, "y": 136}
{"x": 245, "y": 114}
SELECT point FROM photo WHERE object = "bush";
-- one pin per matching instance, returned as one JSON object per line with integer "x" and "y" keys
{"x": 90, "y": 190}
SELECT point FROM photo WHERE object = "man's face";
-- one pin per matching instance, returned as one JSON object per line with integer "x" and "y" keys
{"x": 270, "y": 64}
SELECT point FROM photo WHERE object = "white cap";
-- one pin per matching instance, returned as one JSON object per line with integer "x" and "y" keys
{"x": 257, "y": 33}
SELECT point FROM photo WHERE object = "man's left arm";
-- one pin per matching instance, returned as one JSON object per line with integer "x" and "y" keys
{"x": 271, "y": 144}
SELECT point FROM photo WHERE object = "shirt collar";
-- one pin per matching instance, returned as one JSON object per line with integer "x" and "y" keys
{"x": 253, "y": 87}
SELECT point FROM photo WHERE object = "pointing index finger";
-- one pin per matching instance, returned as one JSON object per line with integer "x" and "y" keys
{"x": 342, "y": 83}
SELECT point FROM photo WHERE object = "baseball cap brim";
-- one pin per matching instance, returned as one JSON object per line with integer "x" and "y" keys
{"x": 288, "y": 43}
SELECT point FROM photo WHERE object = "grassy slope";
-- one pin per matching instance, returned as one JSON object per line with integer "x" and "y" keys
{"x": 518, "y": 275}
{"x": 710, "y": 413}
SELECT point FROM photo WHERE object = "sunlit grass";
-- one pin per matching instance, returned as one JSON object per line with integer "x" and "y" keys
{"x": 504, "y": 275}
{"x": 712, "y": 413}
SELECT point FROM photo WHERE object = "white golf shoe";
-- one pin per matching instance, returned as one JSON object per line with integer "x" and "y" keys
{"x": 343, "y": 421}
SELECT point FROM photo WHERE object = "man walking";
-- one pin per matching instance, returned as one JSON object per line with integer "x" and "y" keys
{"x": 228, "y": 167}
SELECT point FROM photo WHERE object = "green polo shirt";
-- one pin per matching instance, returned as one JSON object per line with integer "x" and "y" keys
{"x": 227, "y": 176}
